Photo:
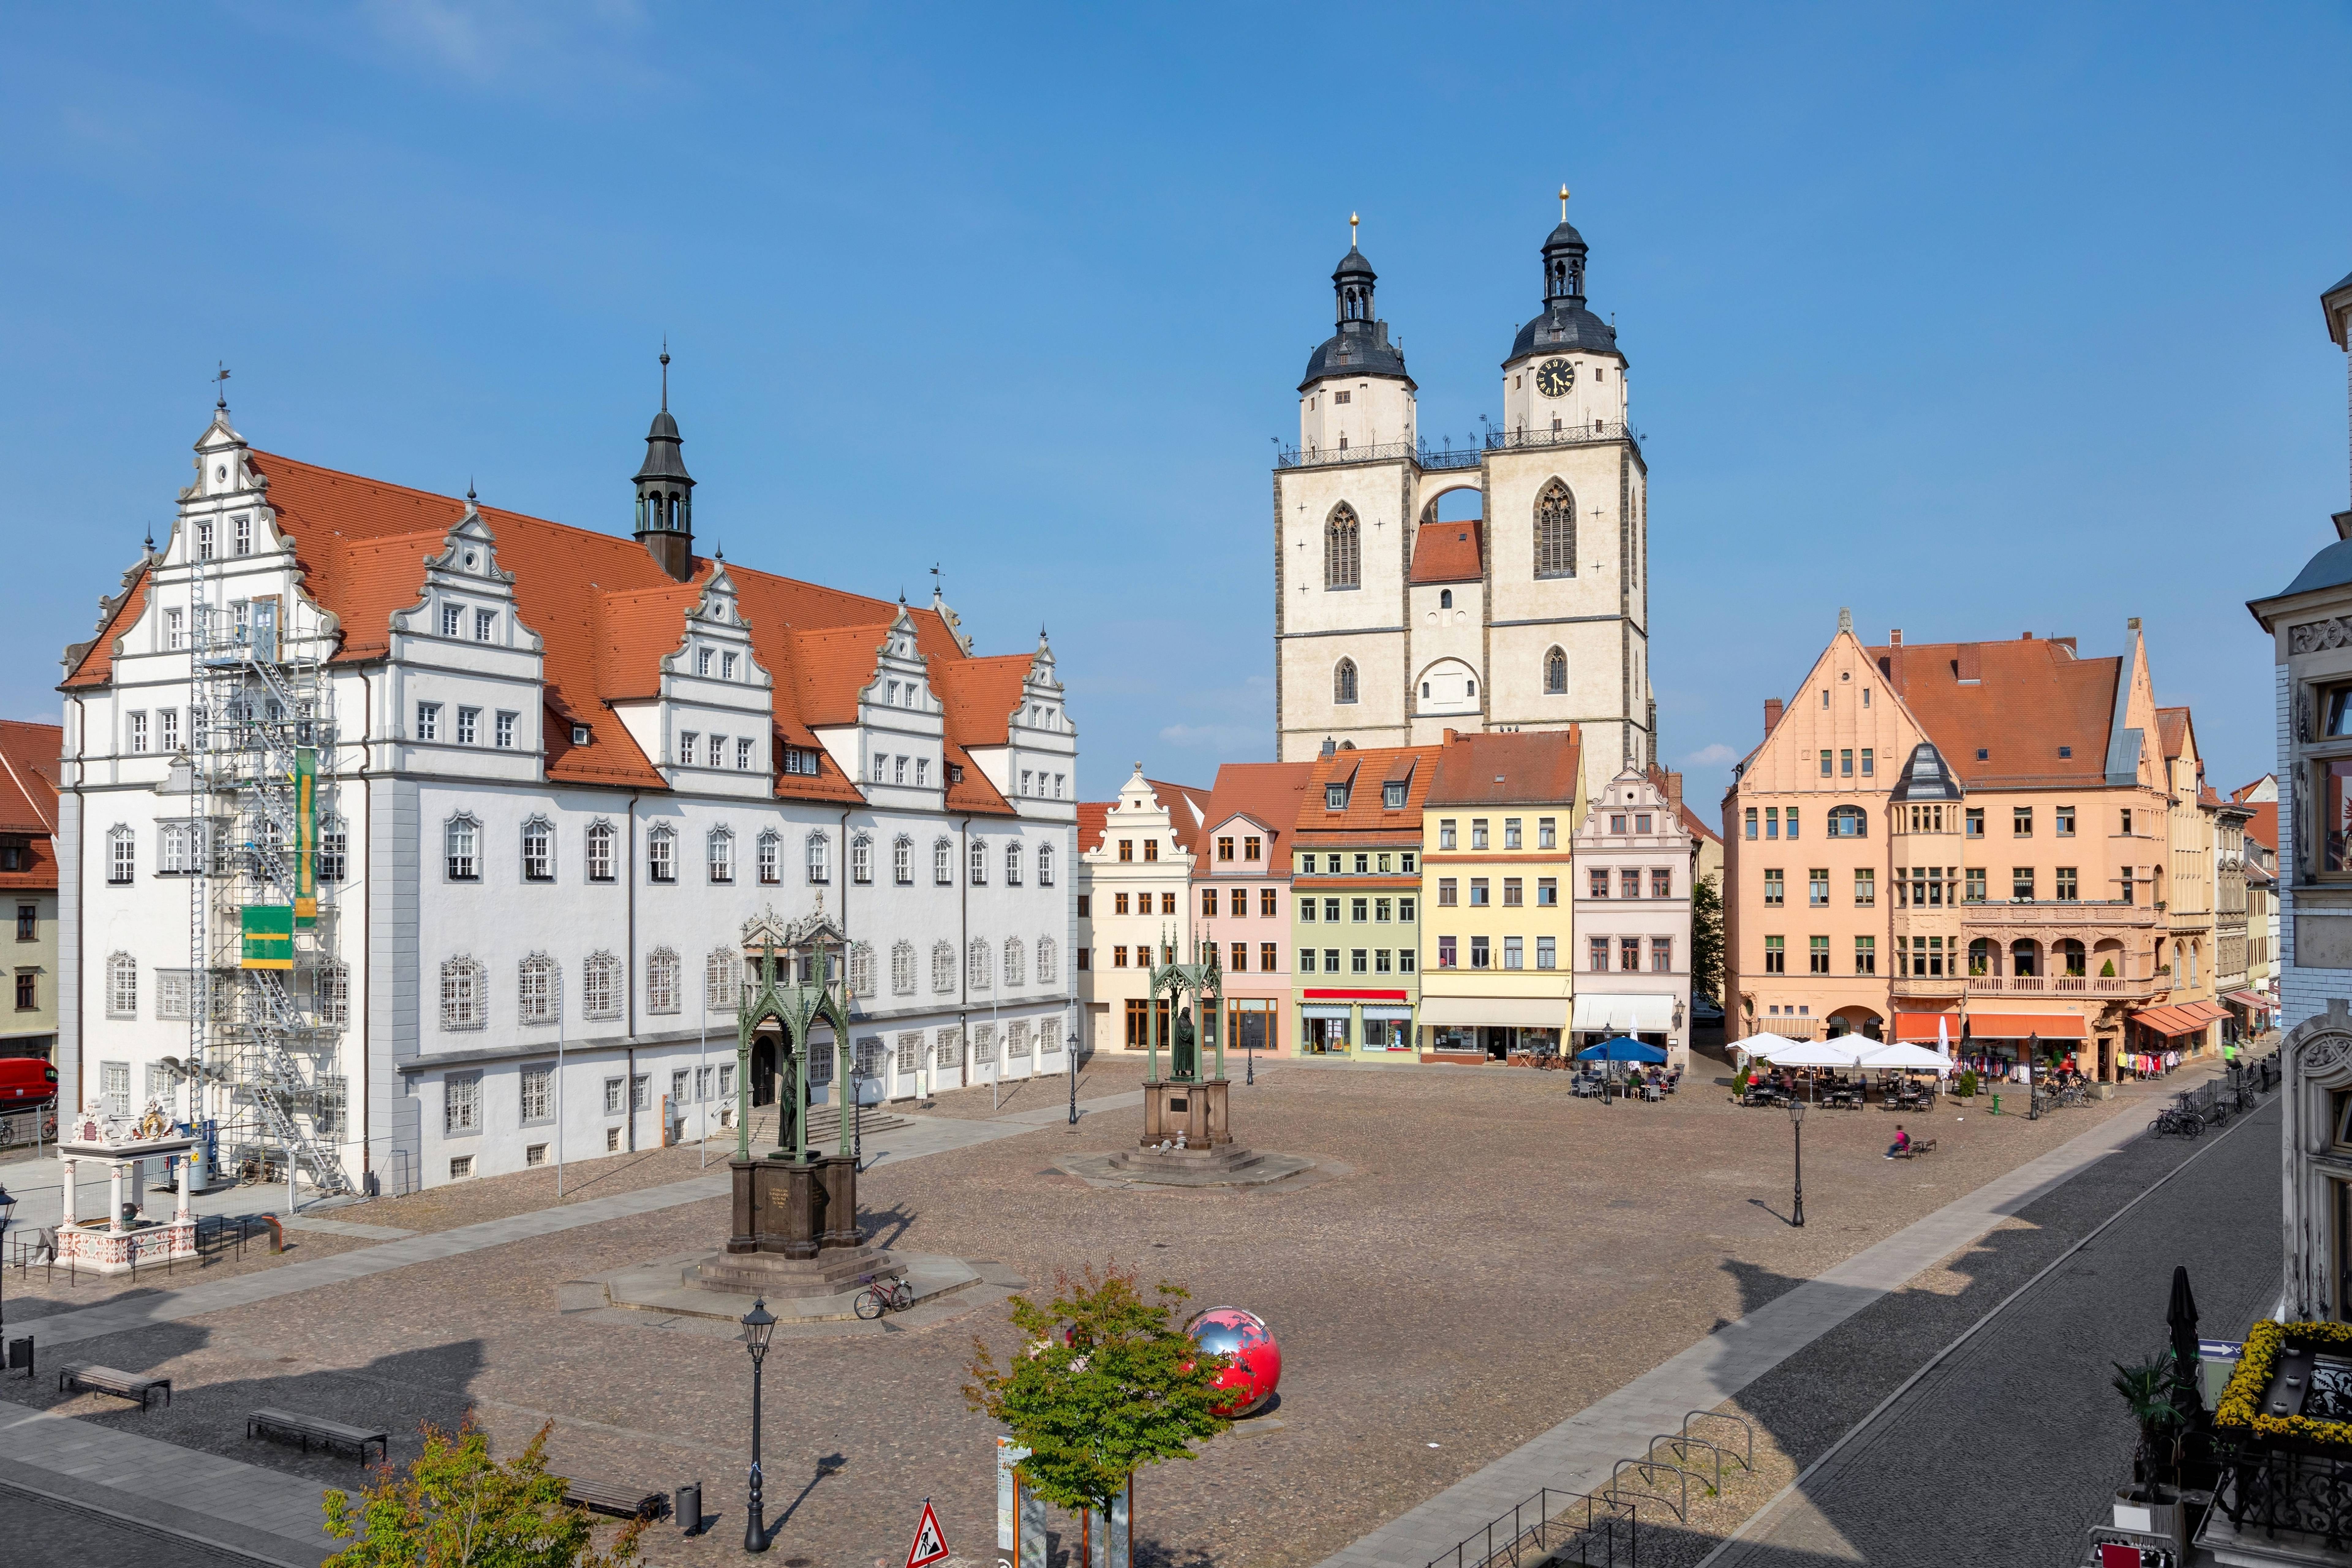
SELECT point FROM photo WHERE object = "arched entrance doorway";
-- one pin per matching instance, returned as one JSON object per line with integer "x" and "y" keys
{"x": 1857, "y": 1021}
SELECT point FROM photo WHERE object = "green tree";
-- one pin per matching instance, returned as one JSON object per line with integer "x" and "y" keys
{"x": 458, "y": 1508}
{"x": 1707, "y": 938}
{"x": 1106, "y": 1382}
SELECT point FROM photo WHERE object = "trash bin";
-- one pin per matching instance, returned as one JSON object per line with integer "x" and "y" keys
{"x": 688, "y": 1508}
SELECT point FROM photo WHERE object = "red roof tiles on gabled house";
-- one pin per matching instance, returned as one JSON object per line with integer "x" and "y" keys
{"x": 28, "y": 802}
{"x": 606, "y": 615}
{"x": 1447, "y": 553}
{"x": 1269, "y": 793}
{"x": 2040, "y": 713}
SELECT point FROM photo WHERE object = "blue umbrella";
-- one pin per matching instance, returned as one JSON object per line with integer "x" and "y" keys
{"x": 1623, "y": 1048}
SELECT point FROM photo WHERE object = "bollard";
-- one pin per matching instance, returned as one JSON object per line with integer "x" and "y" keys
{"x": 689, "y": 1507}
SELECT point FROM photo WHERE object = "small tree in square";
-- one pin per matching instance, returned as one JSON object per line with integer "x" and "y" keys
{"x": 458, "y": 1508}
{"x": 1107, "y": 1383}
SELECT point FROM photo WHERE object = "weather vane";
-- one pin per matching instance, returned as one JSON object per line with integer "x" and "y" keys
{"x": 1563, "y": 201}
{"x": 1352, "y": 221}
{"x": 220, "y": 386}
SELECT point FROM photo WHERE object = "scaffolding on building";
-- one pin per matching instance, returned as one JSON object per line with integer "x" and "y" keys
{"x": 265, "y": 1042}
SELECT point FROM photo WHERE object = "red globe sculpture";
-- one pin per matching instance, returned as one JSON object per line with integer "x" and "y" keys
{"x": 1253, "y": 1362}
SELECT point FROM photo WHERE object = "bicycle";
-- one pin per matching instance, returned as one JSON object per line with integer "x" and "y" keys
{"x": 882, "y": 1296}
{"x": 2187, "y": 1123}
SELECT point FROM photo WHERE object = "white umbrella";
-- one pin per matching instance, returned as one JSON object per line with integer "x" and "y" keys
{"x": 1816, "y": 1053}
{"x": 1908, "y": 1056}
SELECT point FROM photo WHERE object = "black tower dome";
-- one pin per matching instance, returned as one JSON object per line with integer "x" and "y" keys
{"x": 1565, "y": 323}
{"x": 666, "y": 493}
{"x": 1361, "y": 346}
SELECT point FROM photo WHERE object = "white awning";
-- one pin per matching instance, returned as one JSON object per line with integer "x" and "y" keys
{"x": 1321, "y": 1010}
{"x": 1501, "y": 1011}
{"x": 1388, "y": 1014}
{"x": 1785, "y": 1028}
{"x": 1624, "y": 1012}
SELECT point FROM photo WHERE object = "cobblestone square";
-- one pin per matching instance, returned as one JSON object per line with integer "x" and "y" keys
{"x": 1493, "y": 1257}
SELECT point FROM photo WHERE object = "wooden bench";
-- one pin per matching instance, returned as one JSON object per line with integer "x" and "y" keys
{"x": 620, "y": 1501}
{"x": 1918, "y": 1146}
{"x": 108, "y": 1380}
{"x": 293, "y": 1424}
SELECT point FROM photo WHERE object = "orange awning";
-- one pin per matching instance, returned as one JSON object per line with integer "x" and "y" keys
{"x": 1921, "y": 1027}
{"x": 2205, "y": 1012}
{"x": 2247, "y": 999}
{"x": 2168, "y": 1020}
{"x": 2018, "y": 1026}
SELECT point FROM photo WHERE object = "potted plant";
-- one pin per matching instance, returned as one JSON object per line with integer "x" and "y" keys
{"x": 2107, "y": 970}
{"x": 2150, "y": 1503}
{"x": 1968, "y": 1084}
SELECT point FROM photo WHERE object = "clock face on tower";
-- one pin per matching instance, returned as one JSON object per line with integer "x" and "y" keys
{"x": 1554, "y": 377}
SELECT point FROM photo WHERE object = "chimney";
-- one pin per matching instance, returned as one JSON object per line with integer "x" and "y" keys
{"x": 1675, "y": 790}
{"x": 1328, "y": 747}
{"x": 1895, "y": 637}
{"x": 1771, "y": 714}
{"x": 2027, "y": 637}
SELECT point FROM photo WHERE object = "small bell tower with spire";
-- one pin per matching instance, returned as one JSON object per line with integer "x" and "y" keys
{"x": 666, "y": 491}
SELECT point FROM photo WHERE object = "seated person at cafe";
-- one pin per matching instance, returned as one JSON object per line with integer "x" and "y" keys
{"x": 1901, "y": 1144}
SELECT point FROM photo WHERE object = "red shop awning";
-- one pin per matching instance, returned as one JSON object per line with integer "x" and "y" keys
{"x": 1914, "y": 1027}
{"x": 2169, "y": 1021}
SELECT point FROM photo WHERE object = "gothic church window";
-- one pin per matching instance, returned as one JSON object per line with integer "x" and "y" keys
{"x": 1343, "y": 681}
{"x": 1556, "y": 531}
{"x": 1342, "y": 550}
{"x": 1555, "y": 673}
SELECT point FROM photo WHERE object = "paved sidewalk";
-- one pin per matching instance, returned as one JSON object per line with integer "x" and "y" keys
{"x": 921, "y": 1136}
{"x": 252, "y": 1513}
{"x": 1579, "y": 1453}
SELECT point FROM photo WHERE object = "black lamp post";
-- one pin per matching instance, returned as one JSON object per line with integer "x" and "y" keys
{"x": 7, "y": 1209}
{"x": 757, "y": 1324}
{"x": 1070, "y": 1049}
{"x": 1797, "y": 1130}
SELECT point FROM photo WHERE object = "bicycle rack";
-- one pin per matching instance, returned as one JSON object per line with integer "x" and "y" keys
{"x": 1647, "y": 1470}
{"x": 1680, "y": 1445}
{"x": 1746, "y": 1459}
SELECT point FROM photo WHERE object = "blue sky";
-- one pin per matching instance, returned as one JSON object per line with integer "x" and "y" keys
{"x": 1980, "y": 322}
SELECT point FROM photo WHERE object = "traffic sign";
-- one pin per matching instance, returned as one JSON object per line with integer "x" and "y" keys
{"x": 930, "y": 1546}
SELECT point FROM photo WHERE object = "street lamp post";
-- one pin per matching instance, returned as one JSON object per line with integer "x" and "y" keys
{"x": 757, "y": 1324}
{"x": 8, "y": 1208}
{"x": 1070, "y": 1053}
{"x": 1797, "y": 1130}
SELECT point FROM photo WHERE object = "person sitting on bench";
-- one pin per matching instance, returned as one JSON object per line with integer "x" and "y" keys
{"x": 1901, "y": 1144}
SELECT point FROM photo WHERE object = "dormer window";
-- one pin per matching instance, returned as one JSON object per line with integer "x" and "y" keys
{"x": 578, "y": 734}
{"x": 1335, "y": 798}
{"x": 1392, "y": 795}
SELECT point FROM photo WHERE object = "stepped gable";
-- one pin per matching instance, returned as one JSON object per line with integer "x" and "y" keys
{"x": 2018, "y": 701}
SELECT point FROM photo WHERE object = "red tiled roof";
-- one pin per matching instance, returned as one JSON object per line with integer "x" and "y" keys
{"x": 2017, "y": 702}
{"x": 2172, "y": 728}
{"x": 980, "y": 694}
{"x": 1500, "y": 768}
{"x": 29, "y": 801}
{"x": 1691, "y": 821}
{"x": 1447, "y": 553}
{"x": 2264, "y": 827}
{"x": 1094, "y": 816}
{"x": 1269, "y": 793}
{"x": 606, "y": 615}
{"x": 1188, "y": 812}
{"x": 1364, "y": 811}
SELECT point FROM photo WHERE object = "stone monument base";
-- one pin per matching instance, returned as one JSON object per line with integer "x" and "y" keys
{"x": 1194, "y": 1109}
{"x": 833, "y": 1273}
{"x": 148, "y": 1242}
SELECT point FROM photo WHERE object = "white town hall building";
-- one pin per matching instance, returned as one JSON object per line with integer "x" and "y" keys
{"x": 559, "y": 774}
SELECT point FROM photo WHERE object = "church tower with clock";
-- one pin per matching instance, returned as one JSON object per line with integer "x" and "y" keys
{"x": 1392, "y": 626}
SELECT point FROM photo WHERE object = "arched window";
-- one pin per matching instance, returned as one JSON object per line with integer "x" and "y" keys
{"x": 661, "y": 856}
{"x": 121, "y": 986}
{"x": 1012, "y": 864}
{"x": 461, "y": 995}
{"x": 770, "y": 852}
{"x": 661, "y": 981}
{"x": 902, "y": 969}
{"x": 600, "y": 986}
{"x": 1015, "y": 969}
{"x": 861, "y": 969}
{"x": 1343, "y": 562}
{"x": 1849, "y": 822}
{"x": 535, "y": 1000}
{"x": 1555, "y": 673}
{"x": 722, "y": 980}
{"x": 1046, "y": 969}
{"x": 1343, "y": 681}
{"x": 722, "y": 856}
{"x": 976, "y": 965}
{"x": 2024, "y": 957}
{"x": 1556, "y": 531}
{"x": 942, "y": 968}
{"x": 1981, "y": 953}
{"x": 1044, "y": 865}
{"x": 538, "y": 850}
{"x": 978, "y": 862}
{"x": 902, "y": 861}
{"x": 943, "y": 862}
{"x": 461, "y": 842}
{"x": 861, "y": 860}
{"x": 600, "y": 851}
{"x": 820, "y": 858}
{"x": 1445, "y": 598}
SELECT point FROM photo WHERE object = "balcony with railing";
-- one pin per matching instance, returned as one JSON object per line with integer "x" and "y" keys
{"x": 2071, "y": 912}
{"x": 1445, "y": 454}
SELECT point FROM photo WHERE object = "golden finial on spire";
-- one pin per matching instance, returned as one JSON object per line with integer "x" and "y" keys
{"x": 1352, "y": 221}
{"x": 1563, "y": 202}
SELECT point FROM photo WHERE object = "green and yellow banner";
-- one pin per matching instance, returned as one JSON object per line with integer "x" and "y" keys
{"x": 306, "y": 837}
{"x": 269, "y": 936}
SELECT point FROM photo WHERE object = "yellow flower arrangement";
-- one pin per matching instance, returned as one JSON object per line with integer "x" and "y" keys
{"x": 2240, "y": 1413}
